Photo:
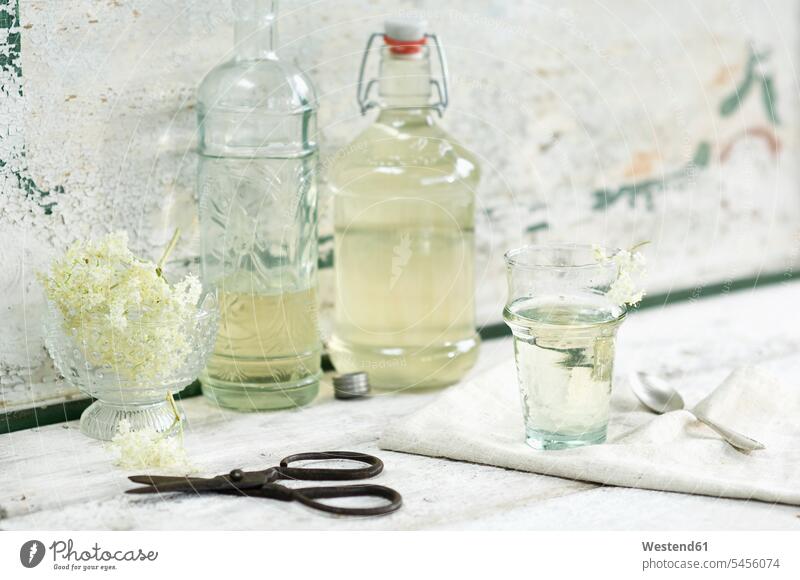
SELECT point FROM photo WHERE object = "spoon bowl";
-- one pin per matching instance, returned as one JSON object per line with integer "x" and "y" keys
{"x": 656, "y": 394}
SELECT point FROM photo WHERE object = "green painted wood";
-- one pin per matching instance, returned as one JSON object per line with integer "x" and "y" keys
{"x": 71, "y": 410}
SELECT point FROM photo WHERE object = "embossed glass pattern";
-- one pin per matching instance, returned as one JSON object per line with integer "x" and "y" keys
{"x": 138, "y": 397}
{"x": 258, "y": 220}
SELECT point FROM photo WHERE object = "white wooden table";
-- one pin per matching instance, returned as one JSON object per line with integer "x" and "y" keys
{"x": 55, "y": 478}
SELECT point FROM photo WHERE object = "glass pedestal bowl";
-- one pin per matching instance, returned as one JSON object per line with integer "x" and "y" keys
{"x": 131, "y": 373}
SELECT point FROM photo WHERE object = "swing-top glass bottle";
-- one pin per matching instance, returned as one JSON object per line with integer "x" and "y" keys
{"x": 404, "y": 202}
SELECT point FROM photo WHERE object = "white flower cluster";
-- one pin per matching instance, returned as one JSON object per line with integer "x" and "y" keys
{"x": 625, "y": 289}
{"x": 120, "y": 309}
{"x": 147, "y": 448}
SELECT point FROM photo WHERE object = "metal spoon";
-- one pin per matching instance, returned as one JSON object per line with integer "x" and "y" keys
{"x": 658, "y": 396}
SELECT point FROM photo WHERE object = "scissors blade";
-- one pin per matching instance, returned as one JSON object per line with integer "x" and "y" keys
{"x": 157, "y": 479}
{"x": 164, "y": 484}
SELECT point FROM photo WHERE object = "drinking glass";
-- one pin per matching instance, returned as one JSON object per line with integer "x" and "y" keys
{"x": 564, "y": 327}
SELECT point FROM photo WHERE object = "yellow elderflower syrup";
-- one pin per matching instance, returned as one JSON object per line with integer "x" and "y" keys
{"x": 404, "y": 198}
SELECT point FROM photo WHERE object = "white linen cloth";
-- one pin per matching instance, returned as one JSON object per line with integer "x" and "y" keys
{"x": 481, "y": 421}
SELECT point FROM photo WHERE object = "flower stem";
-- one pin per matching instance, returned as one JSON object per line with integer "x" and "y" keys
{"x": 167, "y": 252}
{"x": 177, "y": 421}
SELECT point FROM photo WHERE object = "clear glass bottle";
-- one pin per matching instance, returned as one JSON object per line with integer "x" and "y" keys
{"x": 258, "y": 220}
{"x": 404, "y": 201}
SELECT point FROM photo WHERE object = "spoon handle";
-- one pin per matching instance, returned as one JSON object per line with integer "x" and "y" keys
{"x": 736, "y": 439}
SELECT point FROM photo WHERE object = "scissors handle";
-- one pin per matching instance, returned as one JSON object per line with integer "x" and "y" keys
{"x": 373, "y": 468}
{"x": 309, "y": 495}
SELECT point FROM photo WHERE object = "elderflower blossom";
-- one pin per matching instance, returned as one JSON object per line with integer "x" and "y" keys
{"x": 147, "y": 448}
{"x": 119, "y": 308}
{"x": 625, "y": 288}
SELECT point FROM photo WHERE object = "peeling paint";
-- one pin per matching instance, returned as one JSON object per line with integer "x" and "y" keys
{"x": 10, "y": 53}
{"x": 647, "y": 189}
{"x": 753, "y": 75}
{"x": 729, "y": 105}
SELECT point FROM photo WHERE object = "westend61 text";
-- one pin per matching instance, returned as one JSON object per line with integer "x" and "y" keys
{"x": 670, "y": 547}
{"x": 65, "y": 551}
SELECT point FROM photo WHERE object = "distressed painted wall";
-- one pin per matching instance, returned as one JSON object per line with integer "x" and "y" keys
{"x": 608, "y": 122}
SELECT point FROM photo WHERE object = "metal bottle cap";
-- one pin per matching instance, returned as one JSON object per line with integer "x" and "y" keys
{"x": 351, "y": 385}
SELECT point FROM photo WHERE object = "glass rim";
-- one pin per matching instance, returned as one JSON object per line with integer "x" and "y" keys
{"x": 513, "y": 257}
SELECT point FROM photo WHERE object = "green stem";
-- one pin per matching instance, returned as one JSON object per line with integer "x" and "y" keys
{"x": 167, "y": 252}
{"x": 177, "y": 421}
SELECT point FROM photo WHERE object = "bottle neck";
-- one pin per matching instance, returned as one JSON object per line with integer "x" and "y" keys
{"x": 256, "y": 29}
{"x": 405, "y": 82}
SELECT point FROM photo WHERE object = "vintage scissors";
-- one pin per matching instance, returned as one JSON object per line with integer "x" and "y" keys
{"x": 262, "y": 483}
